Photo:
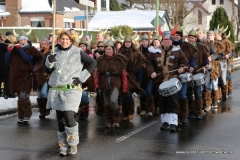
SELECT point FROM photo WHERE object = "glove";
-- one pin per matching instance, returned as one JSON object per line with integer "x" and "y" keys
{"x": 9, "y": 48}
{"x": 76, "y": 81}
{"x": 18, "y": 46}
{"x": 52, "y": 58}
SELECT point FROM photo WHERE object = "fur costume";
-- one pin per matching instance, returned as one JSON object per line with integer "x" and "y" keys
{"x": 188, "y": 49}
{"x": 175, "y": 59}
{"x": 201, "y": 55}
{"x": 216, "y": 72}
{"x": 135, "y": 62}
{"x": 145, "y": 76}
{"x": 20, "y": 72}
{"x": 115, "y": 67}
{"x": 66, "y": 61}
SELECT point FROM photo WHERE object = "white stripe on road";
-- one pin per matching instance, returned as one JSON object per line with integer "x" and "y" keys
{"x": 120, "y": 139}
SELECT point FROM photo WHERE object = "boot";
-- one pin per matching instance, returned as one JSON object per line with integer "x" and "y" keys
{"x": 165, "y": 120}
{"x": 83, "y": 111}
{"x": 20, "y": 111}
{"x": 131, "y": 108}
{"x": 72, "y": 139}
{"x": 191, "y": 112}
{"x": 42, "y": 102}
{"x": 108, "y": 116}
{"x": 198, "y": 108}
{"x": 116, "y": 117}
{"x": 143, "y": 106}
{"x": 173, "y": 121}
{"x": 208, "y": 101}
{"x": 27, "y": 109}
{"x": 224, "y": 92}
{"x": 99, "y": 105}
{"x": 125, "y": 111}
{"x": 183, "y": 107}
{"x": 150, "y": 106}
{"x": 62, "y": 142}
{"x": 230, "y": 88}
{"x": 215, "y": 98}
{"x": 220, "y": 94}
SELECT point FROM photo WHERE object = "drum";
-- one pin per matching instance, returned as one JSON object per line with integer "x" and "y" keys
{"x": 170, "y": 87}
{"x": 199, "y": 79}
{"x": 186, "y": 77}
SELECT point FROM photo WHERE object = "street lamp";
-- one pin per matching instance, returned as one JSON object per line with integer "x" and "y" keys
{"x": 4, "y": 15}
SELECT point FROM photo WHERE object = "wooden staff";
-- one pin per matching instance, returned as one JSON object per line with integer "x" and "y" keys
{"x": 54, "y": 23}
{"x": 200, "y": 69}
{"x": 170, "y": 71}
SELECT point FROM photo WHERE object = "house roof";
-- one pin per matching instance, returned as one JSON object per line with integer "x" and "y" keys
{"x": 132, "y": 18}
{"x": 40, "y": 6}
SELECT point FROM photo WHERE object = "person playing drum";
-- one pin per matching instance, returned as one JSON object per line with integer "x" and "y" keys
{"x": 195, "y": 104}
{"x": 163, "y": 59}
{"x": 189, "y": 50}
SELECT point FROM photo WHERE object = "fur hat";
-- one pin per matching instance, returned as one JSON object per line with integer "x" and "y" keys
{"x": 128, "y": 38}
{"x": 192, "y": 33}
{"x": 145, "y": 37}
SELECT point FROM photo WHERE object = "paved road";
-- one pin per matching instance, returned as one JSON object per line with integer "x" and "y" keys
{"x": 139, "y": 139}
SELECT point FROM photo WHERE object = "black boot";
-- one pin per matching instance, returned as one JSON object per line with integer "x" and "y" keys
{"x": 173, "y": 128}
{"x": 164, "y": 126}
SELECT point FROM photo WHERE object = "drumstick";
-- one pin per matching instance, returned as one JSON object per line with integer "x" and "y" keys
{"x": 200, "y": 69}
{"x": 176, "y": 70}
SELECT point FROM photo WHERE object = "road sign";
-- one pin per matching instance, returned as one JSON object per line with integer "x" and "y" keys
{"x": 80, "y": 18}
{"x": 87, "y": 2}
{"x": 160, "y": 20}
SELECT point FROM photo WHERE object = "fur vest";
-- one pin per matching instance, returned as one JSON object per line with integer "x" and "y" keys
{"x": 201, "y": 55}
{"x": 22, "y": 74}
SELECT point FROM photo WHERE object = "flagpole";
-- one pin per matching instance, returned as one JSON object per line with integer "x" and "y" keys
{"x": 54, "y": 23}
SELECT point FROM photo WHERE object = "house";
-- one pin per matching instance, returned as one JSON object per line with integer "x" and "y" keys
{"x": 38, "y": 13}
{"x": 202, "y": 11}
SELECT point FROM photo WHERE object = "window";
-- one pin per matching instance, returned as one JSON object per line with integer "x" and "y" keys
{"x": 199, "y": 17}
{"x": 221, "y": 1}
{"x": 103, "y": 3}
{"x": 37, "y": 22}
{"x": 213, "y": 2}
{"x": 2, "y": 2}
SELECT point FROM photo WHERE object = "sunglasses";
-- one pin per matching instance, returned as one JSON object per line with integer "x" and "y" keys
{"x": 100, "y": 46}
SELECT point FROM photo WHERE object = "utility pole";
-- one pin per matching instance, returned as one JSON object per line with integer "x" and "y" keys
{"x": 54, "y": 23}
{"x": 86, "y": 2}
{"x": 157, "y": 20}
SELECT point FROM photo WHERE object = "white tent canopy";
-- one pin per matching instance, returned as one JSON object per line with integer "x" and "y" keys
{"x": 133, "y": 18}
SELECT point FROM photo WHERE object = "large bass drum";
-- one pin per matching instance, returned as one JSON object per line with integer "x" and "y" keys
{"x": 170, "y": 87}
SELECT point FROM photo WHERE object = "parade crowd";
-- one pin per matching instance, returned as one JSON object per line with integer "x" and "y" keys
{"x": 179, "y": 77}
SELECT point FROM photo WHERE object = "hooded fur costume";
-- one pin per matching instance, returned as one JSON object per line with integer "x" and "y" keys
{"x": 135, "y": 62}
{"x": 70, "y": 64}
{"x": 23, "y": 73}
{"x": 115, "y": 66}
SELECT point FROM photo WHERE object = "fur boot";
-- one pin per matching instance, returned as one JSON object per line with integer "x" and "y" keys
{"x": 191, "y": 112}
{"x": 116, "y": 117}
{"x": 220, "y": 93}
{"x": 131, "y": 108}
{"x": 72, "y": 139}
{"x": 207, "y": 100}
{"x": 62, "y": 142}
{"x": 183, "y": 110}
{"x": 150, "y": 105}
{"x": 20, "y": 111}
{"x": 224, "y": 92}
{"x": 27, "y": 109}
{"x": 230, "y": 87}
{"x": 108, "y": 116}
{"x": 143, "y": 106}
{"x": 216, "y": 95}
{"x": 198, "y": 108}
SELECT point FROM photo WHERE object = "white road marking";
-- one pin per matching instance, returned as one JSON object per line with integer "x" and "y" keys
{"x": 120, "y": 139}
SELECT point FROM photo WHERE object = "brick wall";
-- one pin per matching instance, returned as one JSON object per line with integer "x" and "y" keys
{"x": 12, "y": 6}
